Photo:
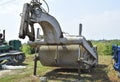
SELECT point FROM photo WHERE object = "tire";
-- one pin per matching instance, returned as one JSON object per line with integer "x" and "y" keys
{"x": 20, "y": 58}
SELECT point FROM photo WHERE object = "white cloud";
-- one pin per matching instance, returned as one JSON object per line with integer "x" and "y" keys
{"x": 105, "y": 25}
{"x": 13, "y": 6}
{"x": 10, "y": 18}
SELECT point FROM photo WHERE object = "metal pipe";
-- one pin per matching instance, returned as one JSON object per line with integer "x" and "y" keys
{"x": 4, "y": 35}
{"x": 35, "y": 65}
{"x": 80, "y": 29}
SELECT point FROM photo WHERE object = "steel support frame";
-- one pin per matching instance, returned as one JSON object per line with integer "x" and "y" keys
{"x": 35, "y": 65}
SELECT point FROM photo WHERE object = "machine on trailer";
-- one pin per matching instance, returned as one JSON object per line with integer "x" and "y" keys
{"x": 55, "y": 49}
{"x": 10, "y": 52}
{"x": 116, "y": 57}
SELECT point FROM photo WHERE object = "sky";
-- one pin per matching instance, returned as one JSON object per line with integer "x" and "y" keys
{"x": 100, "y": 18}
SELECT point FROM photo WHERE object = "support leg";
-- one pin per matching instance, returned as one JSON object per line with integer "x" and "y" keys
{"x": 79, "y": 70}
{"x": 35, "y": 65}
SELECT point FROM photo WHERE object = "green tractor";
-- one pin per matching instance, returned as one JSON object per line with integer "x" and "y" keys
{"x": 10, "y": 52}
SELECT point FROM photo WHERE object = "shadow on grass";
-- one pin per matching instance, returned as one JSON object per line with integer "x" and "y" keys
{"x": 71, "y": 75}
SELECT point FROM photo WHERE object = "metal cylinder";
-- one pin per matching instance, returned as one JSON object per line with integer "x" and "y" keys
{"x": 60, "y": 55}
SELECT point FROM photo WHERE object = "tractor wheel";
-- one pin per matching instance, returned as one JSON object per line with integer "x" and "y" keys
{"x": 20, "y": 58}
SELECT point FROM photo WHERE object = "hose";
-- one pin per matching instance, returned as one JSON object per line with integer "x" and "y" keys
{"x": 38, "y": 2}
{"x": 46, "y": 5}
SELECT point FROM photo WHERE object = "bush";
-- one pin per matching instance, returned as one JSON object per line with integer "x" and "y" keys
{"x": 104, "y": 47}
{"x": 27, "y": 49}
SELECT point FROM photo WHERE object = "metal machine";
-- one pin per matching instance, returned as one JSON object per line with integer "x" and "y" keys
{"x": 55, "y": 49}
{"x": 116, "y": 57}
{"x": 10, "y": 52}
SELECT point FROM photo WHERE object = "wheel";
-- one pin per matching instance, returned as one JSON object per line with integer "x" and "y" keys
{"x": 20, "y": 58}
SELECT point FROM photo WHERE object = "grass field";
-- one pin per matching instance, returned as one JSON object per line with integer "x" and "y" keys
{"x": 102, "y": 73}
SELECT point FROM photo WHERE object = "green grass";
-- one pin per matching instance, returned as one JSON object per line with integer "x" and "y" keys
{"x": 25, "y": 75}
{"x": 102, "y": 73}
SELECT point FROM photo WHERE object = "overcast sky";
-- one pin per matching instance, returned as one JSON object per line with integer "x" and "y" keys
{"x": 100, "y": 18}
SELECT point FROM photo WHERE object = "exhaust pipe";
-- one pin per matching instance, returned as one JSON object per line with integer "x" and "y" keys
{"x": 4, "y": 35}
{"x": 80, "y": 29}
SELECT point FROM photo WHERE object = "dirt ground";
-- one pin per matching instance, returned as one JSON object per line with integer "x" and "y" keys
{"x": 104, "y": 72}
{"x": 2, "y": 72}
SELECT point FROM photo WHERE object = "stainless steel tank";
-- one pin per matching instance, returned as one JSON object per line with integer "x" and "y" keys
{"x": 62, "y": 55}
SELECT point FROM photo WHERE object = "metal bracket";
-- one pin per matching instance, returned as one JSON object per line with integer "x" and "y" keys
{"x": 56, "y": 55}
{"x": 79, "y": 69}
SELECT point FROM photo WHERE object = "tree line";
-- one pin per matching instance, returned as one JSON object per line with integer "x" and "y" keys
{"x": 104, "y": 47}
